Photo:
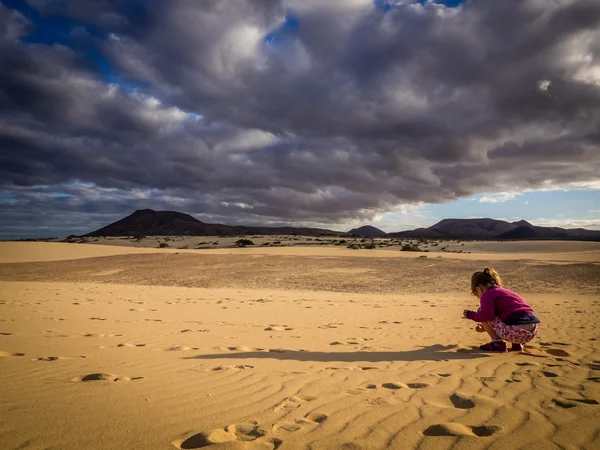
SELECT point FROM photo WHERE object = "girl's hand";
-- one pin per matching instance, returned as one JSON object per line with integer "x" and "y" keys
{"x": 479, "y": 328}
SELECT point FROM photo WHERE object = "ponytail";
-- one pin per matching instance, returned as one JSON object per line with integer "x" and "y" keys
{"x": 487, "y": 276}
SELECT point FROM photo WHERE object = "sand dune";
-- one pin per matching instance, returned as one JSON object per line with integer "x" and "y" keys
{"x": 55, "y": 251}
{"x": 557, "y": 251}
{"x": 288, "y": 351}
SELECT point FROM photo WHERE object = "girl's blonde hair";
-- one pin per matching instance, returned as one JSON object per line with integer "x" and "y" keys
{"x": 487, "y": 276}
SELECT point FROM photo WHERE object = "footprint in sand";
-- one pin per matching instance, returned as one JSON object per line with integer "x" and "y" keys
{"x": 131, "y": 345}
{"x": 557, "y": 352}
{"x": 10, "y": 354}
{"x": 239, "y": 366}
{"x": 101, "y": 335}
{"x": 349, "y": 342}
{"x": 329, "y": 325}
{"x": 5, "y": 334}
{"x": 461, "y": 402}
{"x": 50, "y": 358}
{"x": 359, "y": 390}
{"x": 243, "y": 348}
{"x": 523, "y": 364}
{"x": 457, "y": 429}
{"x": 236, "y": 436}
{"x": 396, "y": 385}
{"x": 97, "y": 318}
{"x": 567, "y": 403}
{"x": 104, "y": 377}
{"x": 285, "y": 427}
{"x": 180, "y": 348}
{"x": 316, "y": 417}
{"x": 278, "y": 328}
{"x": 382, "y": 401}
{"x": 294, "y": 402}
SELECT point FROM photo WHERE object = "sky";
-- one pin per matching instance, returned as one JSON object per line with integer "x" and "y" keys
{"x": 393, "y": 113}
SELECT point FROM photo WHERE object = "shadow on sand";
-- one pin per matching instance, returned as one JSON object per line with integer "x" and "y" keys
{"x": 428, "y": 353}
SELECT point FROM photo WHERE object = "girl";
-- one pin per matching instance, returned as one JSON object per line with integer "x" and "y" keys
{"x": 503, "y": 314}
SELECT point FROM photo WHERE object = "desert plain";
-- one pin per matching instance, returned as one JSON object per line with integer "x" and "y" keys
{"x": 296, "y": 347}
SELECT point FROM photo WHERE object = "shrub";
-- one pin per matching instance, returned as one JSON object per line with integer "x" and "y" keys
{"x": 410, "y": 248}
{"x": 354, "y": 246}
{"x": 163, "y": 245}
{"x": 243, "y": 242}
{"x": 370, "y": 246}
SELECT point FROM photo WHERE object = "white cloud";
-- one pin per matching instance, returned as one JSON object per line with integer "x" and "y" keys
{"x": 237, "y": 205}
{"x": 543, "y": 85}
{"x": 499, "y": 198}
{"x": 245, "y": 140}
{"x": 588, "y": 224}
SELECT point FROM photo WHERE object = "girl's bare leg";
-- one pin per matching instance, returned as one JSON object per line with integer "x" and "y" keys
{"x": 487, "y": 326}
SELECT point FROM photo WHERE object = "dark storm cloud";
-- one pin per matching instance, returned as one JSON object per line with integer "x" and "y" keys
{"x": 294, "y": 110}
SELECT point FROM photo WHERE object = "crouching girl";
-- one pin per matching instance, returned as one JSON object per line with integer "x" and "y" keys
{"x": 503, "y": 314}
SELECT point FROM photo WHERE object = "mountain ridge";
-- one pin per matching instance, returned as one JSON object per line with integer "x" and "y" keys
{"x": 147, "y": 222}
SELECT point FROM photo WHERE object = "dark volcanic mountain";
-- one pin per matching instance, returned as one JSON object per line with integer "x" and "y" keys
{"x": 146, "y": 222}
{"x": 491, "y": 229}
{"x": 367, "y": 231}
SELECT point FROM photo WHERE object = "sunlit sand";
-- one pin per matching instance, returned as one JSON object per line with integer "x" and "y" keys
{"x": 292, "y": 348}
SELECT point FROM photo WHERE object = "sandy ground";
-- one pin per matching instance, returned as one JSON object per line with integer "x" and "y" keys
{"x": 105, "y": 347}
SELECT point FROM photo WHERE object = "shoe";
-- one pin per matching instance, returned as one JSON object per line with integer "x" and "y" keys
{"x": 494, "y": 346}
{"x": 517, "y": 348}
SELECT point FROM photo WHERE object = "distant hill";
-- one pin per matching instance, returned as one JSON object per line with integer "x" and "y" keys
{"x": 367, "y": 231}
{"x": 492, "y": 229}
{"x": 147, "y": 222}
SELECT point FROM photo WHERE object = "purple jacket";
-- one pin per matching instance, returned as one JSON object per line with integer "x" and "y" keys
{"x": 501, "y": 303}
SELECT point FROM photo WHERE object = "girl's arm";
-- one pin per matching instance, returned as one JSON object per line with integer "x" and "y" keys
{"x": 486, "y": 312}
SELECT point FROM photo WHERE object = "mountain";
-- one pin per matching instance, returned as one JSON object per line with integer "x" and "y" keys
{"x": 473, "y": 228}
{"x": 367, "y": 231}
{"x": 420, "y": 233}
{"x": 492, "y": 229}
{"x": 146, "y": 222}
